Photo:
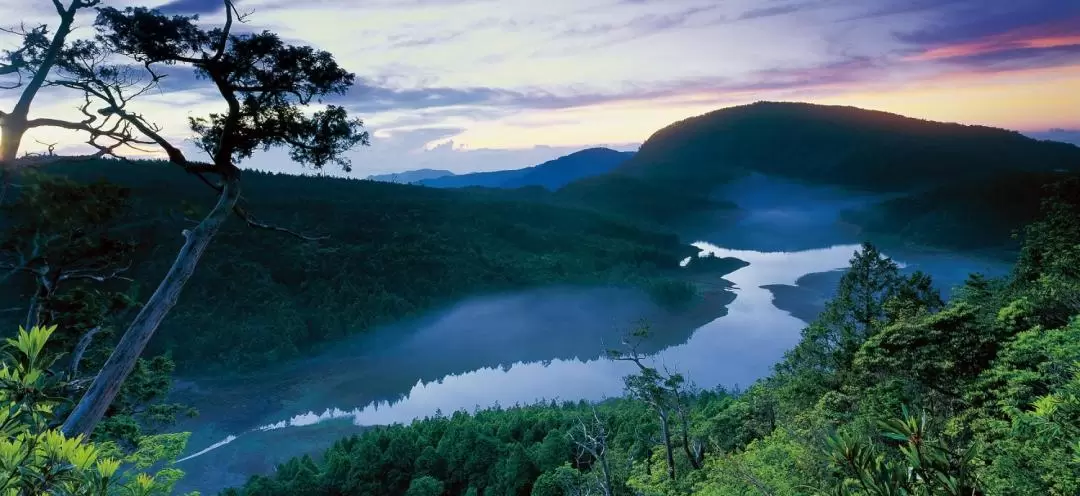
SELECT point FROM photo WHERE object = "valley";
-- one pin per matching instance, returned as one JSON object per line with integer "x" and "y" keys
{"x": 549, "y": 344}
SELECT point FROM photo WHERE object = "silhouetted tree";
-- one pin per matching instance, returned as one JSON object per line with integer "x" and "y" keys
{"x": 265, "y": 83}
{"x": 38, "y": 63}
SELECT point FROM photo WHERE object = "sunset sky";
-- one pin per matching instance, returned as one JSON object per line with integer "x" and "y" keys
{"x": 492, "y": 84}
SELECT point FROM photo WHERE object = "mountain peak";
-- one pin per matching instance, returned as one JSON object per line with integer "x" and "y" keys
{"x": 552, "y": 174}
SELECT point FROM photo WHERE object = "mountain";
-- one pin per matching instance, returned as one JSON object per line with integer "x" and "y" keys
{"x": 552, "y": 174}
{"x": 679, "y": 169}
{"x": 842, "y": 146}
{"x": 1071, "y": 136}
{"x": 409, "y": 177}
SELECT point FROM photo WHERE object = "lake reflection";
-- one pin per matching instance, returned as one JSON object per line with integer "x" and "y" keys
{"x": 735, "y": 349}
{"x": 516, "y": 349}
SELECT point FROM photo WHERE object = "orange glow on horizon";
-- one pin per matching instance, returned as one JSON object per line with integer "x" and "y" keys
{"x": 1059, "y": 34}
{"x": 981, "y": 47}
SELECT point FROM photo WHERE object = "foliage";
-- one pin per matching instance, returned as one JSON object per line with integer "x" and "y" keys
{"x": 70, "y": 244}
{"x": 924, "y": 467}
{"x": 890, "y": 392}
{"x": 35, "y": 458}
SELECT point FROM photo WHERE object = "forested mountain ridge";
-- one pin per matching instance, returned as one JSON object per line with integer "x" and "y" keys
{"x": 944, "y": 168}
{"x": 842, "y": 146}
{"x": 551, "y": 175}
{"x": 390, "y": 251}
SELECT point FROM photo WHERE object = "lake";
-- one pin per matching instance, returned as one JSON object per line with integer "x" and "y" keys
{"x": 542, "y": 344}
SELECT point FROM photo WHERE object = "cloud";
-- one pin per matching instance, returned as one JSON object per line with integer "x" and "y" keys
{"x": 777, "y": 10}
{"x": 1058, "y": 34}
{"x": 571, "y": 73}
{"x": 632, "y": 29}
{"x": 194, "y": 6}
{"x": 370, "y": 97}
{"x": 432, "y": 148}
{"x": 403, "y": 41}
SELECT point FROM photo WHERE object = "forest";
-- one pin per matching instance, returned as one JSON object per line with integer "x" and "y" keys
{"x": 385, "y": 252}
{"x": 891, "y": 391}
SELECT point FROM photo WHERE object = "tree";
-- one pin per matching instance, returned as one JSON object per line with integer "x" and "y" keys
{"x": 62, "y": 233}
{"x": 592, "y": 438}
{"x": 927, "y": 466}
{"x": 425, "y": 485}
{"x": 650, "y": 386}
{"x": 265, "y": 83}
{"x": 870, "y": 294}
{"x": 30, "y": 68}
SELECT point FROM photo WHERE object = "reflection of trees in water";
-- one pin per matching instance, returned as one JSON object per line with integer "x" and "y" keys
{"x": 535, "y": 326}
{"x": 492, "y": 332}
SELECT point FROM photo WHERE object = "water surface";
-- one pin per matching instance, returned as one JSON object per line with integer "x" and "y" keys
{"x": 549, "y": 344}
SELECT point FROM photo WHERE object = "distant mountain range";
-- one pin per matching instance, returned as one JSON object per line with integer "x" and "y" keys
{"x": 410, "y": 177}
{"x": 1063, "y": 135}
{"x": 551, "y": 175}
{"x": 948, "y": 184}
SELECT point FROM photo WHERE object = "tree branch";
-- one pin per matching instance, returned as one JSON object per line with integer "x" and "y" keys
{"x": 80, "y": 350}
{"x": 93, "y": 275}
{"x": 252, "y": 222}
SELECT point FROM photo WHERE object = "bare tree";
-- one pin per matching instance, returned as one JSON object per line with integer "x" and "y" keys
{"x": 265, "y": 85}
{"x": 667, "y": 394}
{"x": 591, "y": 438}
{"x": 647, "y": 386}
{"x": 681, "y": 394}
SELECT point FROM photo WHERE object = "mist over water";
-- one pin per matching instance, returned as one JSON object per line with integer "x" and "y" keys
{"x": 545, "y": 344}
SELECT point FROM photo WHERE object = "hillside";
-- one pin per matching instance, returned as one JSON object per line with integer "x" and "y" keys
{"x": 679, "y": 168}
{"x": 393, "y": 250}
{"x": 890, "y": 391}
{"x": 409, "y": 177}
{"x": 552, "y": 174}
{"x": 842, "y": 146}
{"x": 963, "y": 215}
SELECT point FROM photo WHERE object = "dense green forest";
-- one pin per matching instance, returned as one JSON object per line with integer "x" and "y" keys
{"x": 951, "y": 176}
{"x": 384, "y": 251}
{"x": 891, "y": 391}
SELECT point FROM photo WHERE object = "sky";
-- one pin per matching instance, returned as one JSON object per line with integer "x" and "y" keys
{"x": 471, "y": 85}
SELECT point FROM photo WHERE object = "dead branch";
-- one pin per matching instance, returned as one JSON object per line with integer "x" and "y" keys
{"x": 252, "y": 222}
{"x": 94, "y": 275}
{"x": 80, "y": 350}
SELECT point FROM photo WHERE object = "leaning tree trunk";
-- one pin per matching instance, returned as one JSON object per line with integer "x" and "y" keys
{"x": 10, "y": 138}
{"x": 665, "y": 433}
{"x": 106, "y": 385}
